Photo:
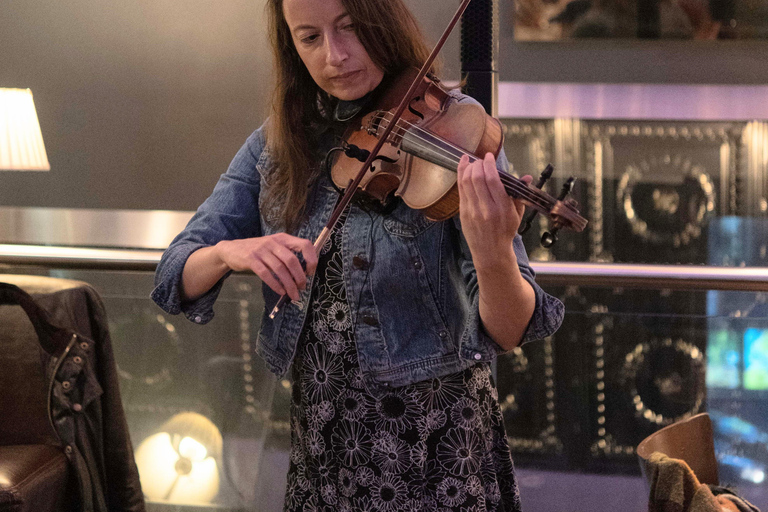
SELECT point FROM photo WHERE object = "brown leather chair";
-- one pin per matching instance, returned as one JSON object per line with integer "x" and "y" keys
{"x": 680, "y": 467}
{"x": 34, "y": 471}
{"x": 64, "y": 443}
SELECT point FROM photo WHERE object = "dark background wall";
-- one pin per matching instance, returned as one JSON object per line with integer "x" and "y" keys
{"x": 143, "y": 103}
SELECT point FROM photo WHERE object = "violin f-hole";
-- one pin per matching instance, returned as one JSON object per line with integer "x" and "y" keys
{"x": 413, "y": 110}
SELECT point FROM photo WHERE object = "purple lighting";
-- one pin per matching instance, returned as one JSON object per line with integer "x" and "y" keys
{"x": 633, "y": 101}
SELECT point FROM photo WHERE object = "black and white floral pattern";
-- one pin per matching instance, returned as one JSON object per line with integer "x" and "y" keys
{"x": 438, "y": 445}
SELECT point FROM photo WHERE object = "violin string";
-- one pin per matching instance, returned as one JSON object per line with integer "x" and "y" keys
{"x": 415, "y": 130}
{"x": 536, "y": 197}
{"x": 516, "y": 185}
{"x": 446, "y": 142}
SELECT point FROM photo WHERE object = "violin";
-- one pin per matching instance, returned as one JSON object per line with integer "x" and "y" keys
{"x": 419, "y": 159}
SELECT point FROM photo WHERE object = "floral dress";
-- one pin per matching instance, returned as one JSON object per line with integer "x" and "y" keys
{"x": 437, "y": 445}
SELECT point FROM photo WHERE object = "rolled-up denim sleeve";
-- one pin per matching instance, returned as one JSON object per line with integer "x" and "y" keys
{"x": 548, "y": 312}
{"x": 231, "y": 212}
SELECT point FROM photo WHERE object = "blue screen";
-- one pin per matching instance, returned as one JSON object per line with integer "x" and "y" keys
{"x": 723, "y": 359}
{"x": 756, "y": 359}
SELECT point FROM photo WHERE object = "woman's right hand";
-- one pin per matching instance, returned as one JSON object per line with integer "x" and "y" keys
{"x": 274, "y": 258}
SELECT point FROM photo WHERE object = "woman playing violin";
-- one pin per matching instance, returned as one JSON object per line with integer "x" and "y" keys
{"x": 395, "y": 319}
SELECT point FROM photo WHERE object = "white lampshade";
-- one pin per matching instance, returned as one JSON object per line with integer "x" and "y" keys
{"x": 21, "y": 141}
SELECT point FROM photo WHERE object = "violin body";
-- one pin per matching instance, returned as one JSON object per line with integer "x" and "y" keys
{"x": 412, "y": 168}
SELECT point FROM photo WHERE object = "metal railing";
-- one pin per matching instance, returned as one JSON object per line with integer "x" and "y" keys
{"x": 611, "y": 275}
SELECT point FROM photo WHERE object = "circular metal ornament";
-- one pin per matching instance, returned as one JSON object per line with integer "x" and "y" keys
{"x": 665, "y": 380}
{"x": 152, "y": 364}
{"x": 666, "y": 213}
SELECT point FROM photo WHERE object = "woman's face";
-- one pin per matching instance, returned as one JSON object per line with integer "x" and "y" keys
{"x": 325, "y": 39}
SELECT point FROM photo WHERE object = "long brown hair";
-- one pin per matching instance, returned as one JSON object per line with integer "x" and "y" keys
{"x": 393, "y": 40}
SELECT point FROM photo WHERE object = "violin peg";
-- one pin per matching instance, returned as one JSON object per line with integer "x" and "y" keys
{"x": 545, "y": 175}
{"x": 527, "y": 222}
{"x": 549, "y": 238}
{"x": 567, "y": 187}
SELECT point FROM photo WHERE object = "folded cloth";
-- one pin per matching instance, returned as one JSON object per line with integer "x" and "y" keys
{"x": 731, "y": 501}
{"x": 675, "y": 488}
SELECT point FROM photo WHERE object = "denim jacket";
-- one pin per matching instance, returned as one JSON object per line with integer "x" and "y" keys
{"x": 411, "y": 285}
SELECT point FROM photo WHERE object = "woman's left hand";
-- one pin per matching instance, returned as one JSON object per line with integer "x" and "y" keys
{"x": 489, "y": 222}
{"x": 489, "y": 216}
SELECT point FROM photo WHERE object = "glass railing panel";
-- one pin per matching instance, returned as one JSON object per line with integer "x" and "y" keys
{"x": 204, "y": 383}
{"x": 629, "y": 361}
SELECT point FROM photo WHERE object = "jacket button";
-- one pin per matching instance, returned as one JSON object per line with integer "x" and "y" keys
{"x": 370, "y": 320}
{"x": 77, "y": 407}
{"x": 443, "y": 334}
{"x": 198, "y": 319}
{"x": 478, "y": 356}
{"x": 360, "y": 263}
{"x": 417, "y": 264}
{"x": 66, "y": 385}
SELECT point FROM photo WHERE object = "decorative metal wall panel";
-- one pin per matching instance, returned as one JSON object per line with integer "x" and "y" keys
{"x": 753, "y": 171}
{"x": 627, "y": 362}
{"x": 662, "y": 182}
{"x": 648, "y": 188}
{"x": 526, "y": 384}
{"x": 647, "y": 372}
